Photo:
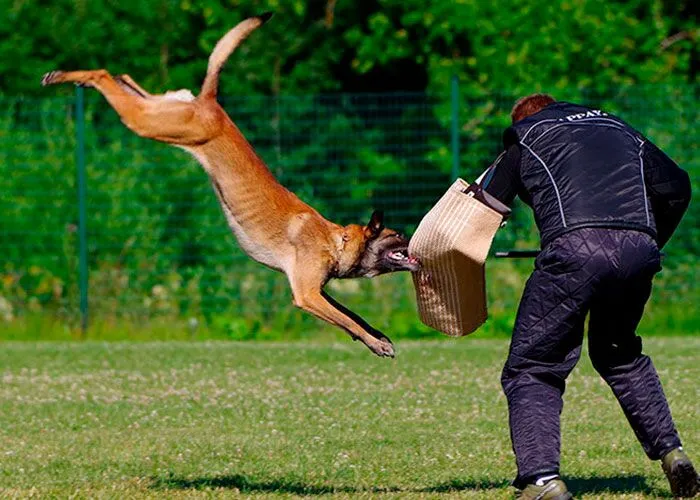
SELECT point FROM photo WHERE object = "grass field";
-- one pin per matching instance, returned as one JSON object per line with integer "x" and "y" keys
{"x": 130, "y": 420}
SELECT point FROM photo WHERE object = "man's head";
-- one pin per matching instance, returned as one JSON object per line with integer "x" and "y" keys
{"x": 529, "y": 105}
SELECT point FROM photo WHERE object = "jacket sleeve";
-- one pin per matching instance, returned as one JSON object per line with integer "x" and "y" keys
{"x": 668, "y": 190}
{"x": 503, "y": 182}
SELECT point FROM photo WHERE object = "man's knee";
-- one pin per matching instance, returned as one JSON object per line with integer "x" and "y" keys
{"x": 525, "y": 375}
{"x": 606, "y": 356}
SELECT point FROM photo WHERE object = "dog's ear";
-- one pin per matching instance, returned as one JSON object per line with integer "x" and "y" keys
{"x": 375, "y": 225}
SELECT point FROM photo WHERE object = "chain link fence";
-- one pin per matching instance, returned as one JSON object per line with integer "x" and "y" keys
{"x": 106, "y": 230}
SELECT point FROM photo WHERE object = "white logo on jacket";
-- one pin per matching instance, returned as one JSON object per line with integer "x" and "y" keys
{"x": 588, "y": 114}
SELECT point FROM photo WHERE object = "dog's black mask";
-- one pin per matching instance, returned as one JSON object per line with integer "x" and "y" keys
{"x": 386, "y": 250}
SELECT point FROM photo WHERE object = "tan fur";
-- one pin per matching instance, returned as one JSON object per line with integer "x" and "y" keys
{"x": 271, "y": 224}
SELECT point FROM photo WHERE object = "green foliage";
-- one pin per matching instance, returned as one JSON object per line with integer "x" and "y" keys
{"x": 371, "y": 45}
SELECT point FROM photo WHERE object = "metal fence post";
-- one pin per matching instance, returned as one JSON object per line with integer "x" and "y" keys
{"x": 455, "y": 126}
{"x": 82, "y": 209}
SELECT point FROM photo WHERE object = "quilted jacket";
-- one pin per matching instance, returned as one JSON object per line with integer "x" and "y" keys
{"x": 582, "y": 167}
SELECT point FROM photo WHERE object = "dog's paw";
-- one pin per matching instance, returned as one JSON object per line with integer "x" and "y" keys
{"x": 51, "y": 77}
{"x": 382, "y": 348}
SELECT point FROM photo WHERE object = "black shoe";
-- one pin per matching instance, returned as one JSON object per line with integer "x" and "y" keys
{"x": 681, "y": 474}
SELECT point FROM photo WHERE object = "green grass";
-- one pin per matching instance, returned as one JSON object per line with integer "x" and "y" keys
{"x": 226, "y": 419}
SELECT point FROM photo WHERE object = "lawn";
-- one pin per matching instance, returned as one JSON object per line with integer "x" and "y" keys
{"x": 226, "y": 419}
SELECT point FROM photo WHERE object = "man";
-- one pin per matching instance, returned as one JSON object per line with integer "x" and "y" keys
{"x": 605, "y": 200}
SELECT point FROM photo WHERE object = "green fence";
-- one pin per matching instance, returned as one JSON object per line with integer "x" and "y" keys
{"x": 123, "y": 234}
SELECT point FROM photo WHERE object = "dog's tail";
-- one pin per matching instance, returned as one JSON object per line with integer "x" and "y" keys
{"x": 223, "y": 50}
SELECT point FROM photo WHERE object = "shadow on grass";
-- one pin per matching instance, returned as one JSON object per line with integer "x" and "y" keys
{"x": 247, "y": 485}
{"x": 614, "y": 484}
{"x": 465, "y": 484}
{"x": 577, "y": 485}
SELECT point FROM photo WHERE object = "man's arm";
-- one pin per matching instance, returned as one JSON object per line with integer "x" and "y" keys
{"x": 503, "y": 182}
{"x": 668, "y": 189}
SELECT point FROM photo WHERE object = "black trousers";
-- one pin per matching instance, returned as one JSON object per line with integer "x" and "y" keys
{"x": 608, "y": 273}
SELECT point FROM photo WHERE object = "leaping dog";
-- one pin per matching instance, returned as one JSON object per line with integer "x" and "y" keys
{"x": 271, "y": 224}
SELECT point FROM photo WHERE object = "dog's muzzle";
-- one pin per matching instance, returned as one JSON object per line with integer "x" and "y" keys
{"x": 401, "y": 260}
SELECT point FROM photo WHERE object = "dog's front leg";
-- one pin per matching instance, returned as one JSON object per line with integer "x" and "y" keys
{"x": 319, "y": 306}
{"x": 310, "y": 298}
{"x": 357, "y": 318}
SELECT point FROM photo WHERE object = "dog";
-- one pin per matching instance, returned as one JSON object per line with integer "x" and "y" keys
{"x": 271, "y": 224}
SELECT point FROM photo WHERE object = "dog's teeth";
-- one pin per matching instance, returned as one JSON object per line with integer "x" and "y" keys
{"x": 397, "y": 256}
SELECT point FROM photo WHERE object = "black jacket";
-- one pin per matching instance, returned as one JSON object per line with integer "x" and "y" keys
{"x": 580, "y": 167}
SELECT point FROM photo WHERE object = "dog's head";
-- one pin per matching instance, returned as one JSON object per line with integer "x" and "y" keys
{"x": 382, "y": 250}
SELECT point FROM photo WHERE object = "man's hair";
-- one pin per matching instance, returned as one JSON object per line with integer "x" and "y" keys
{"x": 529, "y": 105}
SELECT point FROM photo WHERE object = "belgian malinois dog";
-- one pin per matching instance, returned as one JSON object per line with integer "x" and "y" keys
{"x": 271, "y": 224}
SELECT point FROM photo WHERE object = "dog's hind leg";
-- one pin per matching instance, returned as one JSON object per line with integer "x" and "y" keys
{"x": 129, "y": 105}
{"x": 309, "y": 297}
{"x": 172, "y": 121}
{"x": 127, "y": 82}
{"x": 98, "y": 78}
